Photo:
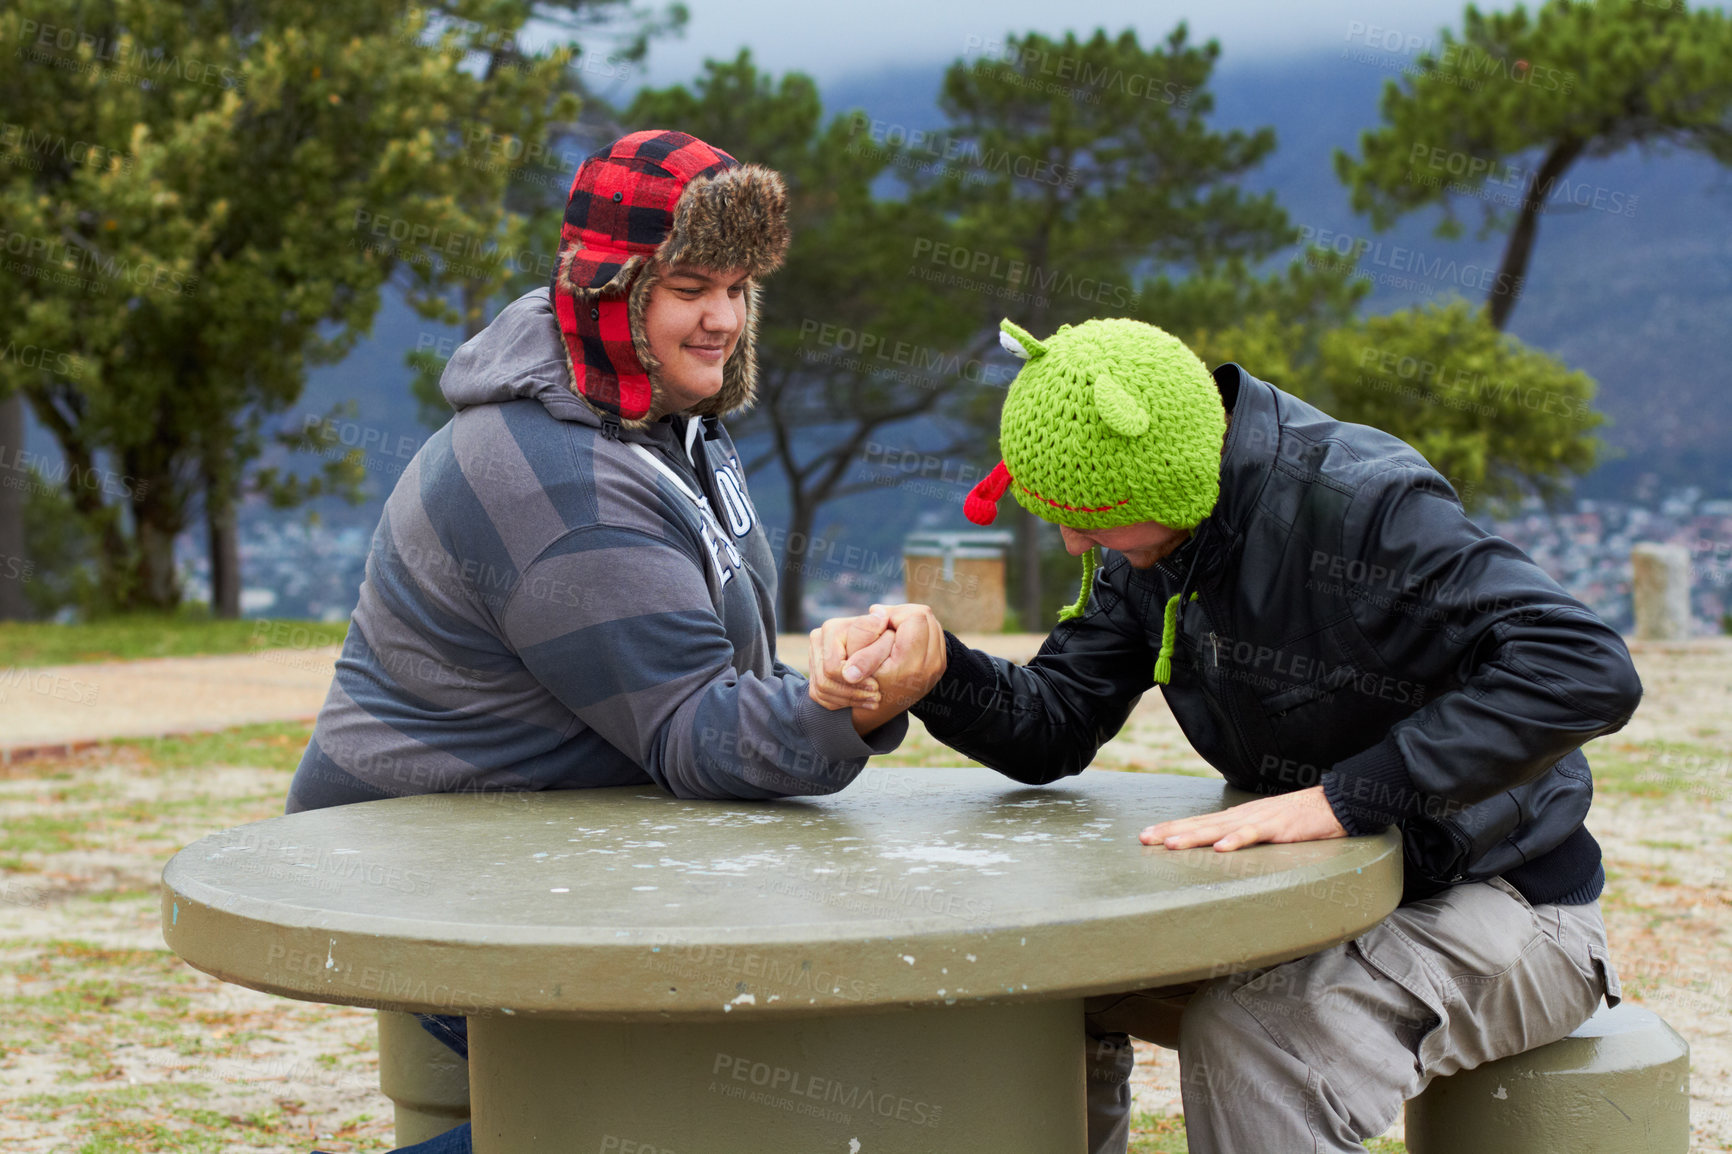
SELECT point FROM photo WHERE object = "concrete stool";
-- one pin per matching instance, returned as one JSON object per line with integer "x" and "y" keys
{"x": 428, "y": 1083}
{"x": 1619, "y": 1085}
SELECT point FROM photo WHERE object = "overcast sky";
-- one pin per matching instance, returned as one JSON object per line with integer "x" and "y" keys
{"x": 830, "y": 41}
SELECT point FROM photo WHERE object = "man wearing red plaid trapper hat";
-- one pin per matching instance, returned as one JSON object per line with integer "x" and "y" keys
{"x": 569, "y": 586}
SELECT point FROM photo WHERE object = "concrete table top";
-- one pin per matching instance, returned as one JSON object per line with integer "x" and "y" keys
{"x": 913, "y": 887}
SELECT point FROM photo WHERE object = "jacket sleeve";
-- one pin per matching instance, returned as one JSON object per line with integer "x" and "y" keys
{"x": 619, "y": 625}
{"x": 1536, "y": 673}
{"x": 1043, "y": 721}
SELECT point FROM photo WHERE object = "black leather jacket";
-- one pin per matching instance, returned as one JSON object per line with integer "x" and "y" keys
{"x": 1351, "y": 628}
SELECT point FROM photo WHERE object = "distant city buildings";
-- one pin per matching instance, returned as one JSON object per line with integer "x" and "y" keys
{"x": 1588, "y": 551}
{"x": 288, "y": 568}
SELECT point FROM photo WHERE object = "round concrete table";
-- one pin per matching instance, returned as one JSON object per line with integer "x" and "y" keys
{"x": 899, "y": 967}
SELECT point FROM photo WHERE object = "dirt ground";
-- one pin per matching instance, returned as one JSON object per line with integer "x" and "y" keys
{"x": 111, "y": 1044}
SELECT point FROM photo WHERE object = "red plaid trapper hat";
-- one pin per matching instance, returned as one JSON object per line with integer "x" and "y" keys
{"x": 654, "y": 197}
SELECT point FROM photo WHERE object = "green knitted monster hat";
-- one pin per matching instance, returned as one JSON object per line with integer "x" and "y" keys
{"x": 1111, "y": 422}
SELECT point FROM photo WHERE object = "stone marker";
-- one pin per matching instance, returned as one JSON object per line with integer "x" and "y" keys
{"x": 960, "y": 575}
{"x": 1660, "y": 587}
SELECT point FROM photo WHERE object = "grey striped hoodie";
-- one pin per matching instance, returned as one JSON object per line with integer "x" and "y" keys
{"x": 548, "y": 608}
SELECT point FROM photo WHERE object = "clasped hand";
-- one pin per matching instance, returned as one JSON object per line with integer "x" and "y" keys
{"x": 877, "y": 664}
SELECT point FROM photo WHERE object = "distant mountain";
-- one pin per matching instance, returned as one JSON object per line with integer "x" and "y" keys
{"x": 1637, "y": 291}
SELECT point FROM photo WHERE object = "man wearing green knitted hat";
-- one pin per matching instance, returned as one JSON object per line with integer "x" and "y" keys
{"x": 1332, "y": 632}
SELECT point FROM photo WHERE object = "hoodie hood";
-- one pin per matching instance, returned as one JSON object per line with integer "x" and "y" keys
{"x": 518, "y": 356}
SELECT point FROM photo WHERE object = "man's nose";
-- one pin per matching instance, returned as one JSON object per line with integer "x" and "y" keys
{"x": 1074, "y": 543}
{"x": 719, "y": 314}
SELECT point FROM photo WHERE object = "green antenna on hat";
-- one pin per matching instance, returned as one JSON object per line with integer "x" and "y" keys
{"x": 1017, "y": 341}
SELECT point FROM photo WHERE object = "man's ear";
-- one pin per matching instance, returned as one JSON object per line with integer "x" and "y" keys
{"x": 1119, "y": 407}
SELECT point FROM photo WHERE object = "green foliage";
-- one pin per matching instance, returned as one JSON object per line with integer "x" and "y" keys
{"x": 341, "y": 474}
{"x": 1081, "y": 178}
{"x": 62, "y": 548}
{"x": 190, "y": 631}
{"x": 1499, "y": 419}
{"x": 212, "y": 198}
{"x": 1107, "y": 193}
{"x": 1502, "y": 110}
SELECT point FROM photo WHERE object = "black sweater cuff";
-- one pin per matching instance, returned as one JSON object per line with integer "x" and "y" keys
{"x": 1371, "y": 791}
{"x": 967, "y": 689}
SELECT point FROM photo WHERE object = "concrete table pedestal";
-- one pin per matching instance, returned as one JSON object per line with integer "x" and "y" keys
{"x": 897, "y": 967}
{"x": 971, "y": 1080}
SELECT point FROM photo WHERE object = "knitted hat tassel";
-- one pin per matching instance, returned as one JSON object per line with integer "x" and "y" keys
{"x": 1169, "y": 633}
{"x": 981, "y": 505}
{"x": 1090, "y": 560}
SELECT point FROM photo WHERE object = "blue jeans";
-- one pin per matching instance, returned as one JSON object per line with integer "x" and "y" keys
{"x": 454, "y": 1032}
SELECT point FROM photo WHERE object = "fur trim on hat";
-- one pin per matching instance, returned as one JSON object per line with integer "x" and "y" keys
{"x": 732, "y": 219}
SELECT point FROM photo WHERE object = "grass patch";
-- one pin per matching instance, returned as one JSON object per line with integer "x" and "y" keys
{"x": 1660, "y": 769}
{"x": 165, "y": 1118}
{"x": 44, "y": 833}
{"x": 268, "y": 745}
{"x": 189, "y": 633}
{"x": 82, "y": 1001}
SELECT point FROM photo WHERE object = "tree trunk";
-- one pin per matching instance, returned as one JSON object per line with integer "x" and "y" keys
{"x": 222, "y": 534}
{"x": 157, "y": 588}
{"x": 155, "y": 525}
{"x": 1513, "y": 270}
{"x": 474, "y": 309}
{"x": 791, "y": 594}
{"x": 14, "y": 605}
{"x": 223, "y": 541}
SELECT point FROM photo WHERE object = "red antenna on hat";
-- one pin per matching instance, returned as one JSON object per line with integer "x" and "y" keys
{"x": 982, "y": 503}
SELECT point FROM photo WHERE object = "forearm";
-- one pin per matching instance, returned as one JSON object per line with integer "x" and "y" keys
{"x": 1545, "y": 690}
{"x": 752, "y": 738}
{"x": 659, "y": 682}
{"x": 1534, "y": 673}
{"x": 1036, "y": 723}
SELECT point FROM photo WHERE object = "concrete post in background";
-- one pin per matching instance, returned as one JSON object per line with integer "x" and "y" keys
{"x": 1660, "y": 587}
{"x": 960, "y": 575}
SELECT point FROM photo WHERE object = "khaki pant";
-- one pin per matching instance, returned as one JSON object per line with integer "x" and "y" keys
{"x": 1319, "y": 1054}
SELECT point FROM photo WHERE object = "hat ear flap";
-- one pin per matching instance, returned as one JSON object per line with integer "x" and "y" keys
{"x": 1119, "y": 407}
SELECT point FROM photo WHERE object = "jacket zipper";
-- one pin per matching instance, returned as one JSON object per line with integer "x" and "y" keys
{"x": 1243, "y": 747}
